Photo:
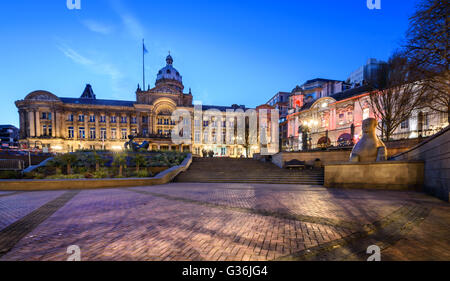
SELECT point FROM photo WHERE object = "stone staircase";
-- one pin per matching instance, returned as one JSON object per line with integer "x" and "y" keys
{"x": 228, "y": 170}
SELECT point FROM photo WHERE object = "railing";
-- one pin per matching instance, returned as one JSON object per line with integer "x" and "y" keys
{"x": 11, "y": 165}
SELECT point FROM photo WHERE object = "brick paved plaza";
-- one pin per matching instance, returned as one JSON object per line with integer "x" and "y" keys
{"x": 223, "y": 222}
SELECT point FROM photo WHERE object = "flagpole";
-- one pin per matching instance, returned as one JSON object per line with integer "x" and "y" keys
{"x": 143, "y": 65}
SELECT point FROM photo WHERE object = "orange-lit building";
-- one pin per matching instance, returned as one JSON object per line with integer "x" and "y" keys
{"x": 336, "y": 120}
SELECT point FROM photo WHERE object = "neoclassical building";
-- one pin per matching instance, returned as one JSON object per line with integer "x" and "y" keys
{"x": 59, "y": 124}
{"x": 336, "y": 120}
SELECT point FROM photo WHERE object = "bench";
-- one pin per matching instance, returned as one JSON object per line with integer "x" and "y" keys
{"x": 295, "y": 164}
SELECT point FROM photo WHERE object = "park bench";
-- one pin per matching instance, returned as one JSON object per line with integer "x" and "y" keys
{"x": 295, "y": 164}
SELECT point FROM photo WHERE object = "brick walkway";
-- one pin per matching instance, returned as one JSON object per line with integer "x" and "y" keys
{"x": 188, "y": 221}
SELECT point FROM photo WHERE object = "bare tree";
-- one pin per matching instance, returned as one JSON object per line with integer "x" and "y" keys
{"x": 427, "y": 49}
{"x": 397, "y": 94}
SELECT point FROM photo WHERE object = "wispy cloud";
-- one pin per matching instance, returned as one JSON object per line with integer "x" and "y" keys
{"x": 101, "y": 68}
{"x": 97, "y": 27}
{"x": 132, "y": 25}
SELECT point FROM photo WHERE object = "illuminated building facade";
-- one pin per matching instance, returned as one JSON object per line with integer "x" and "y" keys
{"x": 59, "y": 124}
{"x": 336, "y": 120}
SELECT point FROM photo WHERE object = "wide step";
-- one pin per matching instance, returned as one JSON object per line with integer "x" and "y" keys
{"x": 224, "y": 170}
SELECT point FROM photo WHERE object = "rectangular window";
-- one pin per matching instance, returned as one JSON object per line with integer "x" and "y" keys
{"x": 197, "y": 137}
{"x": 123, "y": 119}
{"x": 44, "y": 130}
{"x": 49, "y": 116}
{"x": 405, "y": 124}
{"x": 133, "y": 120}
{"x": 44, "y": 115}
{"x": 103, "y": 119}
{"x": 134, "y": 131}
{"x": 366, "y": 113}
{"x": 113, "y": 133}
{"x": 144, "y": 119}
{"x": 70, "y": 117}
{"x": 81, "y": 118}
{"x": 92, "y": 133}
{"x": 124, "y": 134}
{"x": 145, "y": 132}
{"x": 103, "y": 133}
{"x": 113, "y": 119}
{"x": 205, "y": 123}
{"x": 92, "y": 118}
{"x": 81, "y": 133}
{"x": 50, "y": 130}
{"x": 70, "y": 133}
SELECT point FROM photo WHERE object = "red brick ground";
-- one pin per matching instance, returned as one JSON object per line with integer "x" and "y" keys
{"x": 189, "y": 222}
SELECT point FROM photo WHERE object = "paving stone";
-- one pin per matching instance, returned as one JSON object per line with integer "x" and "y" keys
{"x": 221, "y": 222}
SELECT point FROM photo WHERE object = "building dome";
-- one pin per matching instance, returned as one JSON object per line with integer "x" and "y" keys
{"x": 169, "y": 72}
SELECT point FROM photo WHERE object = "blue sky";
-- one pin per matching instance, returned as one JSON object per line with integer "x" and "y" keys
{"x": 228, "y": 51}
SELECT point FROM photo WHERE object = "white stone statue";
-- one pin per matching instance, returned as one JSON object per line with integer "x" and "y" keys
{"x": 370, "y": 148}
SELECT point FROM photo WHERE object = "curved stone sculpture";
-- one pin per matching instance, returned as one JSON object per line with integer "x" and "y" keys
{"x": 135, "y": 146}
{"x": 370, "y": 148}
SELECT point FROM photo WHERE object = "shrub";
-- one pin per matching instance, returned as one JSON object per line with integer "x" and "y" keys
{"x": 143, "y": 174}
{"x": 66, "y": 177}
{"x": 10, "y": 175}
{"x": 101, "y": 174}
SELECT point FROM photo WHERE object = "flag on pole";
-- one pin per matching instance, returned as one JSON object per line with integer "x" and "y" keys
{"x": 145, "y": 49}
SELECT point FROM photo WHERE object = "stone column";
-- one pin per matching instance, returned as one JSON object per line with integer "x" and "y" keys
{"x": 58, "y": 124}
{"x": 139, "y": 122}
{"x": 22, "y": 124}
{"x": 108, "y": 128}
{"x": 97, "y": 126}
{"x": 38, "y": 123}
{"x": 54, "y": 129}
{"x": 128, "y": 124}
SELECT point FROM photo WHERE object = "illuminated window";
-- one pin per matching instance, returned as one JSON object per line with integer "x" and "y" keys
{"x": 81, "y": 133}
{"x": 92, "y": 133}
{"x": 70, "y": 132}
{"x": 103, "y": 133}
{"x": 124, "y": 134}
{"x": 366, "y": 113}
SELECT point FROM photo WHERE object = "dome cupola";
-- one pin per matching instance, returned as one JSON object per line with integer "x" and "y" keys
{"x": 169, "y": 75}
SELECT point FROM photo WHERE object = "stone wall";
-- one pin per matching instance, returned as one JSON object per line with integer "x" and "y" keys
{"x": 435, "y": 152}
{"x": 391, "y": 175}
{"x": 326, "y": 156}
{"x": 340, "y": 155}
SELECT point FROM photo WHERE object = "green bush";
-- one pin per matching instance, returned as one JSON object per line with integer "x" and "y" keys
{"x": 66, "y": 177}
{"x": 144, "y": 174}
{"x": 5, "y": 175}
{"x": 101, "y": 174}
